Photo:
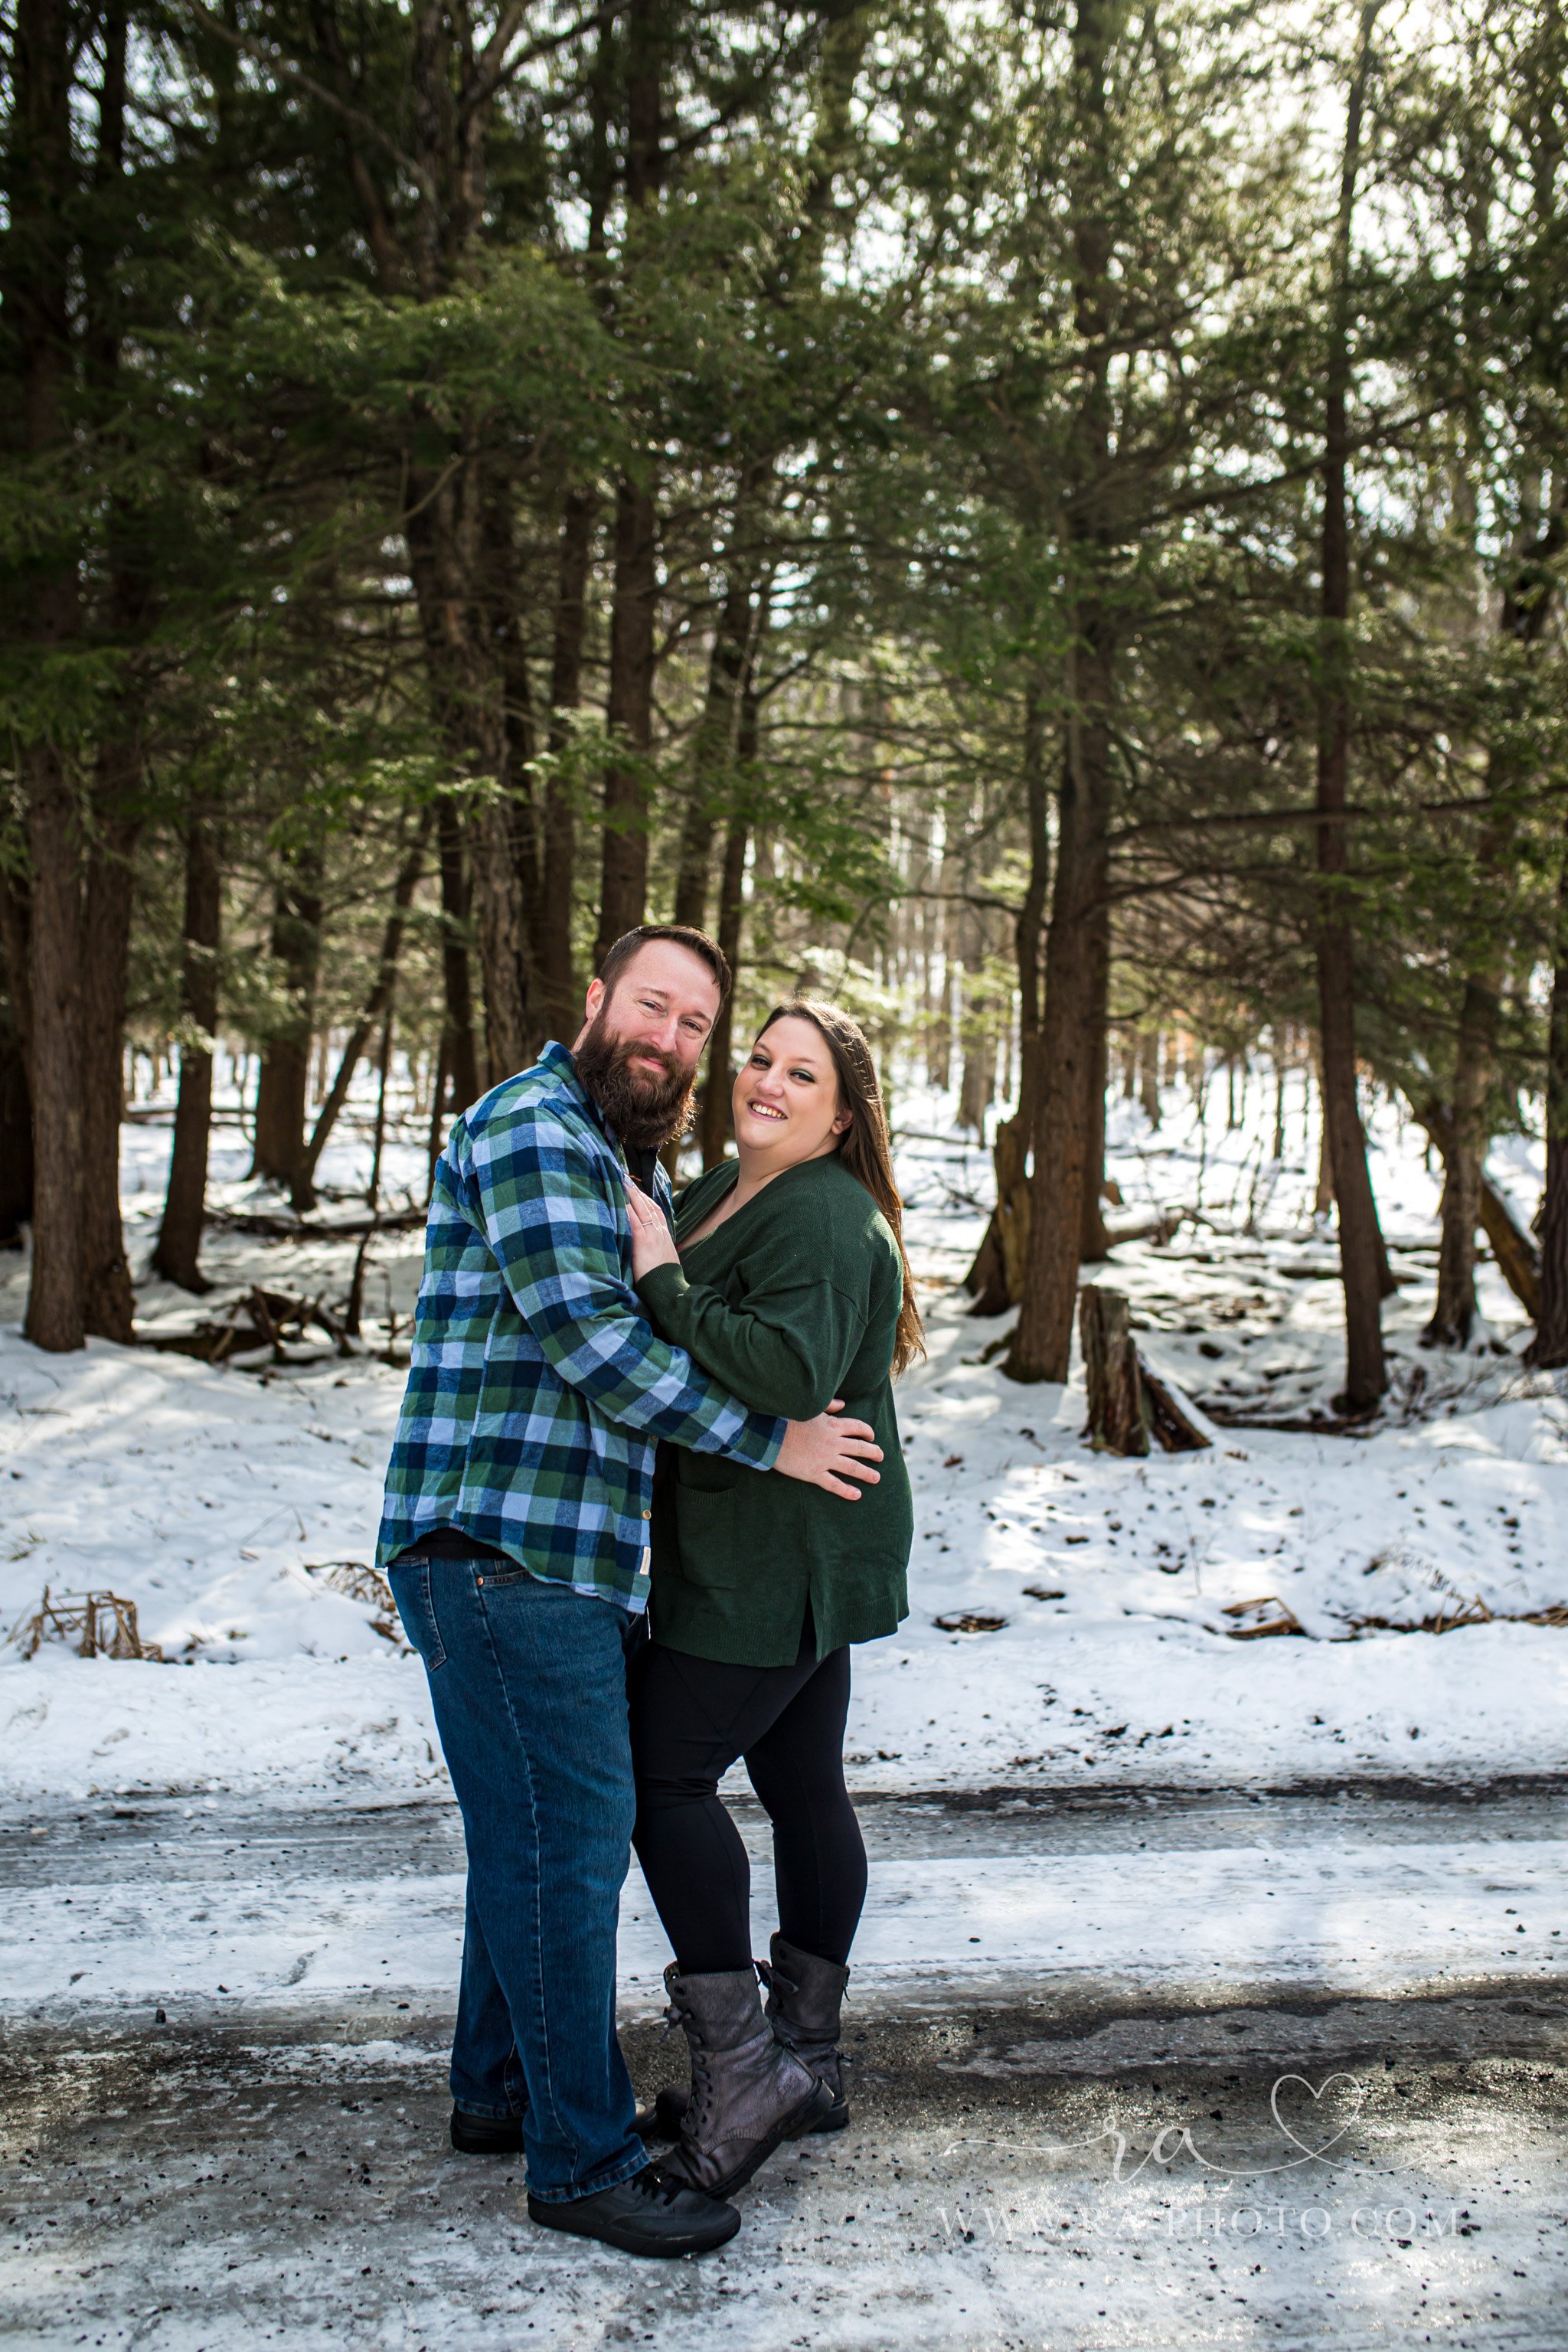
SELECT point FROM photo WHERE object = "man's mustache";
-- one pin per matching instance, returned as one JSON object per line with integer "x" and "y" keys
{"x": 667, "y": 1062}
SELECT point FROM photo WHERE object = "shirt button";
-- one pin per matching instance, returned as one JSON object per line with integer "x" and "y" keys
{"x": 648, "y": 1515}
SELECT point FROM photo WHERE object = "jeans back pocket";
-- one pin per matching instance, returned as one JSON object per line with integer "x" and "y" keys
{"x": 417, "y": 1607}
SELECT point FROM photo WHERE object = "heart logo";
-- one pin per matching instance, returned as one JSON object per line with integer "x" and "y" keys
{"x": 1357, "y": 2085}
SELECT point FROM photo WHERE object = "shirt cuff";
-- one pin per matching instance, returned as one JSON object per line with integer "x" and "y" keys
{"x": 758, "y": 1440}
{"x": 662, "y": 1288}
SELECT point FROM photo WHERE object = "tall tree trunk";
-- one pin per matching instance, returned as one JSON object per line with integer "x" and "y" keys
{"x": 16, "y": 917}
{"x": 375, "y": 1007}
{"x": 1515, "y": 1249}
{"x": 623, "y": 889}
{"x": 1095, "y": 1245}
{"x": 46, "y": 610}
{"x": 1550, "y": 1346}
{"x": 108, "y": 1299}
{"x": 996, "y": 1276}
{"x": 1071, "y": 1035}
{"x": 437, "y": 1120}
{"x": 1526, "y": 607}
{"x": 713, "y": 753}
{"x": 109, "y": 1302}
{"x": 623, "y": 885}
{"x": 459, "y": 1058}
{"x": 16, "y": 1131}
{"x": 284, "y": 1082}
{"x": 498, "y": 930}
{"x": 378, "y": 1141}
{"x": 518, "y": 808}
{"x": 1360, "y": 1239}
{"x": 713, "y": 747}
{"x": 55, "y": 1317}
{"x": 560, "y": 1012}
{"x": 1029, "y": 929}
{"x": 1149, "y": 1076}
{"x": 716, "y": 1125}
{"x": 177, "y": 1256}
{"x": 451, "y": 534}
{"x": 1454, "y": 1312}
{"x": 457, "y": 522}
{"x": 1042, "y": 1342}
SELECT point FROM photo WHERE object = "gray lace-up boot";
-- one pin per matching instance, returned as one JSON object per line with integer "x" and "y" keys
{"x": 749, "y": 2093}
{"x": 805, "y": 1999}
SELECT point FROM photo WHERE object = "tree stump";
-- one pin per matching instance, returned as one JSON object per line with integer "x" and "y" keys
{"x": 1117, "y": 1415}
{"x": 1128, "y": 1402}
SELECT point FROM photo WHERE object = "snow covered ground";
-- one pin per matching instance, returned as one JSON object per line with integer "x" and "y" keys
{"x": 214, "y": 1499}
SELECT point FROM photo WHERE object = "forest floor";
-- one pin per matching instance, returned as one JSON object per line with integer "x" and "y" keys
{"x": 1127, "y": 1872}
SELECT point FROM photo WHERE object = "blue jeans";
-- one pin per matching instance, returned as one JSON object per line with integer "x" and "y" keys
{"x": 528, "y": 1681}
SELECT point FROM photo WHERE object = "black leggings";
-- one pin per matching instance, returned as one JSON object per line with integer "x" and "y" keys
{"x": 691, "y": 1717}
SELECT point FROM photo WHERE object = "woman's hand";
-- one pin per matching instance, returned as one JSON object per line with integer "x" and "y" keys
{"x": 653, "y": 1243}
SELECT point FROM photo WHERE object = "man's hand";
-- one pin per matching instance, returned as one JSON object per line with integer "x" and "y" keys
{"x": 653, "y": 1243}
{"x": 825, "y": 1453}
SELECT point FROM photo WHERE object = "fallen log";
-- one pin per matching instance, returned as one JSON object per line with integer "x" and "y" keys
{"x": 301, "y": 1229}
{"x": 275, "y": 1317}
{"x": 1317, "y": 1424}
{"x": 1518, "y": 1258}
{"x": 1256, "y": 1620}
{"x": 1173, "y": 1425}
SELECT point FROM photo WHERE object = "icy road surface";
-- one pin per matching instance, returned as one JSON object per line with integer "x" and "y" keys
{"x": 1216, "y": 2071}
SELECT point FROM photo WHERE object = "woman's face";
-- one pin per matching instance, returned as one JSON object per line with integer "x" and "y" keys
{"x": 786, "y": 1100}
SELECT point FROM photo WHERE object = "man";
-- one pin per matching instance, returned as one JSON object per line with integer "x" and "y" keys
{"x": 515, "y": 1535}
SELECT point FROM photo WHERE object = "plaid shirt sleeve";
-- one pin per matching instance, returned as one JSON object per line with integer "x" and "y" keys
{"x": 528, "y": 1185}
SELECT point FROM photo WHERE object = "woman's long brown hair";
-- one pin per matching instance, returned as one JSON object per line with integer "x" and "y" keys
{"x": 865, "y": 1149}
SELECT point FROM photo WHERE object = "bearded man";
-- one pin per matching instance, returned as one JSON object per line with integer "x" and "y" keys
{"x": 515, "y": 1536}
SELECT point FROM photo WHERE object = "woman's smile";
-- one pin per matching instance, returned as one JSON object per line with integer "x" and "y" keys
{"x": 789, "y": 1081}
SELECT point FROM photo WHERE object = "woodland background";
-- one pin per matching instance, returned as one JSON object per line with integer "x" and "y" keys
{"x": 1044, "y": 522}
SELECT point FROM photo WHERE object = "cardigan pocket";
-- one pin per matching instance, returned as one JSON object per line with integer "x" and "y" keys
{"x": 710, "y": 1539}
{"x": 707, "y": 1473}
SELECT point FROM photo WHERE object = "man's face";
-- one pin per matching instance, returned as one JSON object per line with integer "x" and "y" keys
{"x": 638, "y": 1051}
{"x": 663, "y": 1007}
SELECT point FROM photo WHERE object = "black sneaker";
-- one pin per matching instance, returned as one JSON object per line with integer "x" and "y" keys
{"x": 486, "y": 2135}
{"x": 644, "y": 2215}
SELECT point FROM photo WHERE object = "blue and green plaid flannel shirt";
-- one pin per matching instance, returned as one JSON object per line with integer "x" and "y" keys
{"x": 537, "y": 1387}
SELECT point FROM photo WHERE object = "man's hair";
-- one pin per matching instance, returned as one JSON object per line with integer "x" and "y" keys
{"x": 684, "y": 936}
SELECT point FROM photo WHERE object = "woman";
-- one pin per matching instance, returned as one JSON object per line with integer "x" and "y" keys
{"x": 786, "y": 1279}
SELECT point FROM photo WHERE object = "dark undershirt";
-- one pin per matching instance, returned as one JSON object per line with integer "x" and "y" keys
{"x": 448, "y": 1543}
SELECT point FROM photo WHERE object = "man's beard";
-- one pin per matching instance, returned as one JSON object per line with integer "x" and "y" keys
{"x": 646, "y": 1112}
